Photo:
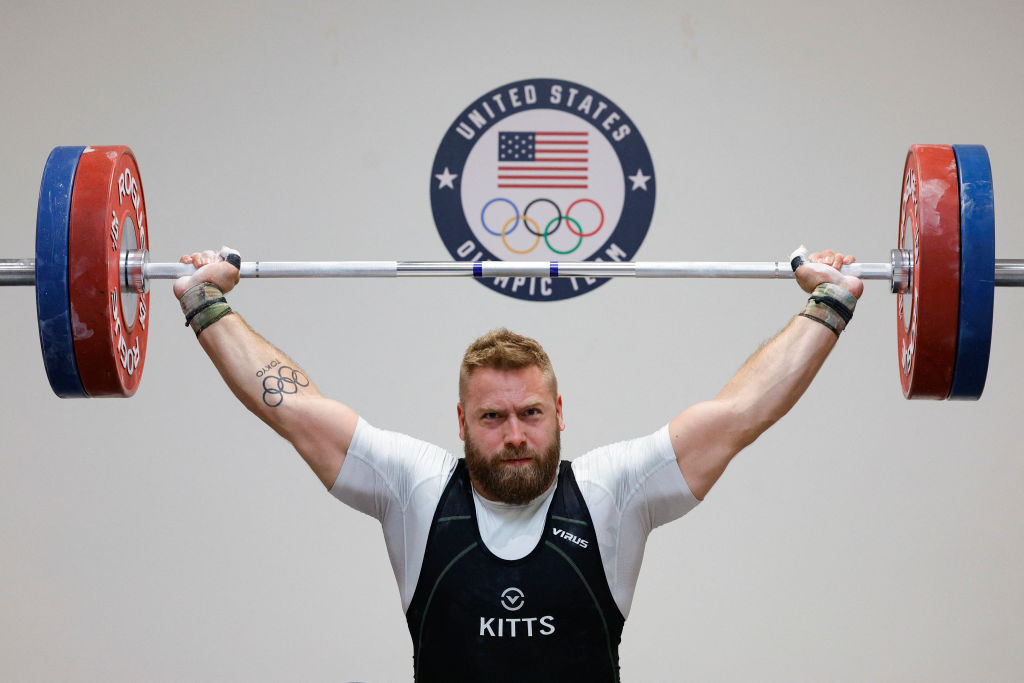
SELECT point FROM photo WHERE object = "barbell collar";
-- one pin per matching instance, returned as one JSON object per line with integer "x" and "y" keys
{"x": 902, "y": 271}
{"x": 133, "y": 270}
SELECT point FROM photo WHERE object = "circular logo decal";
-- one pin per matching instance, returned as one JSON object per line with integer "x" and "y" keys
{"x": 542, "y": 170}
{"x": 512, "y": 599}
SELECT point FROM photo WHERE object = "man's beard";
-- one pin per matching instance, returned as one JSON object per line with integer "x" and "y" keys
{"x": 515, "y": 484}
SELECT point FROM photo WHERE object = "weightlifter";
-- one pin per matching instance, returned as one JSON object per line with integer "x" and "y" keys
{"x": 513, "y": 564}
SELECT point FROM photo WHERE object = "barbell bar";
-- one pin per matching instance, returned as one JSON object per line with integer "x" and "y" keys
{"x": 92, "y": 271}
{"x": 22, "y": 272}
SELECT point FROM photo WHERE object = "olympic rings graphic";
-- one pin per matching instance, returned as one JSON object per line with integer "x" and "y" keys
{"x": 483, "y": 221}
{"x": 505, "y": 230}
{"x": 533, "y": 227}
{"x": 599, "y": 225}
{"x": 286, "y": 381}
{"x": 569, "y": 220}
{"x": 558, "y": 212}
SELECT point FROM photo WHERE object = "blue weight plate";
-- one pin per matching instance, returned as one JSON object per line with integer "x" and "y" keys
{"x": 977, "y": 271}
{"x": 53, "y": 304}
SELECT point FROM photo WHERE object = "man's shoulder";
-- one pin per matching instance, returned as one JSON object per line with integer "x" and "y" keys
{"x": 392, "y": 452}
{"x": 656, "y": 446}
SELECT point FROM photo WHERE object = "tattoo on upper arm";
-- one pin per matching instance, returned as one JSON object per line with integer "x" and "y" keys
{"x": 287, "y": 380}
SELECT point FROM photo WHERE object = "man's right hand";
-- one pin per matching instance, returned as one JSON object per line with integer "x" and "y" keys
{"x": 210, "y": 267}
{"x": 820, "y": 267}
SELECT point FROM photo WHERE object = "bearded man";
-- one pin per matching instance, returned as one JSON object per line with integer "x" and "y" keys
{"x": 512, "y": 564}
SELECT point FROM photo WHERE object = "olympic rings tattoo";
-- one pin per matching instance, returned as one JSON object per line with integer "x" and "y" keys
{"x": 533, "y": 227}
{"x": 286, "y": 381}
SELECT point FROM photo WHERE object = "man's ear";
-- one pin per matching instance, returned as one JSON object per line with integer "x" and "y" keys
{"x": 558, "y": 412}
{"x": 462, "y": 421}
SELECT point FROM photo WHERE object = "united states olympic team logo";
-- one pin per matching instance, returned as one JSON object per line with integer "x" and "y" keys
{"x": 542, "y": 170}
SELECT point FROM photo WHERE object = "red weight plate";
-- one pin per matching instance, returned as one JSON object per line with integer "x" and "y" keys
{"x": 108, "y": 217}
{"x": 927, "y": 317}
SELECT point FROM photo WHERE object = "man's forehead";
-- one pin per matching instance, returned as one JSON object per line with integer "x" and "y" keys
{"x": 487, "y": 406}
{"x": 522, "y": 385}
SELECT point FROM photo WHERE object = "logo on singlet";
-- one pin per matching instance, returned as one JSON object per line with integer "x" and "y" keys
{"x": 572, "y": 538}
{"x": 513, "y": 599}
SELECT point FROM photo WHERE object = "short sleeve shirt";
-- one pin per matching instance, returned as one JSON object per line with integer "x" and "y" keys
{"x": 630, "y": 488}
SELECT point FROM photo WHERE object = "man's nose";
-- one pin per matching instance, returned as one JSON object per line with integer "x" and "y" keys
{"x": 514, "y": 434}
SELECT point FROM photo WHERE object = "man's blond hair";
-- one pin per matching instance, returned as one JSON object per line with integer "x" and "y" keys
{"x": 502, "y": 349}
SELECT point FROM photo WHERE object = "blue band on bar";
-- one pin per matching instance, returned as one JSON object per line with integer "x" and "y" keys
{"x": 554, "y": 269}
{"x": 478, "y": 269}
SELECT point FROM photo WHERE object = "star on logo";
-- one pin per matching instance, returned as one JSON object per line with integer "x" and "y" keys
{"x": 446, "y": 179}
{"x": 639, "y": 180}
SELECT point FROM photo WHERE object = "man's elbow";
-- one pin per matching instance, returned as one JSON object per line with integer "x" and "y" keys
{"x": 757, "y": 414}
{"x": 303, "y": 427}
{"x": 748, "y": 422}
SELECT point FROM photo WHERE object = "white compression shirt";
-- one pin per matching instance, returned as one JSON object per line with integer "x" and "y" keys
{"x": 629, "y": 487}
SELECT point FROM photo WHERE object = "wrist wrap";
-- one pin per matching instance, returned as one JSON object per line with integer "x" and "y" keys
{"x": 830, "y": 305}
{"x": 203, "y": 305}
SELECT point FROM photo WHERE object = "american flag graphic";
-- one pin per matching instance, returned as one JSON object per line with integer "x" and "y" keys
{"x": 543, "y": 159}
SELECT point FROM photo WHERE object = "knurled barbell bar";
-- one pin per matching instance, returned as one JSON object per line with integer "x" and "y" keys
{"x": 92, "y": 271}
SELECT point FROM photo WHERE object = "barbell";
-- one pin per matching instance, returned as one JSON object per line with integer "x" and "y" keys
{"x": 92, "y": 271}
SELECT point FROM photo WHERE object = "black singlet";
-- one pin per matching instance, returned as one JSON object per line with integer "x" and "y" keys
{"x": 549, "y": 616}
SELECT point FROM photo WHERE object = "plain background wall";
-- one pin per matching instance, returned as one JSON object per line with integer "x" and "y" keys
{"x": 174, "y": 537}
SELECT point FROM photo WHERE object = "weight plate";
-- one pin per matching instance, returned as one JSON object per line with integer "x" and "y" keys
{"x": 977, "y": 271}
{"x": 108, "y": 218}
{"x": 927, "y": 315}
{"x": 52, "y": 300}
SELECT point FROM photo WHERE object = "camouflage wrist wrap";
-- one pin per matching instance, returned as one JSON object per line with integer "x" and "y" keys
{"x": 203, "y": 305}
{"x": 830, "y": 305}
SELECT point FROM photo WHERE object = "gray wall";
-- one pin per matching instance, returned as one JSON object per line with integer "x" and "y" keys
{"x": 173, "y": 537}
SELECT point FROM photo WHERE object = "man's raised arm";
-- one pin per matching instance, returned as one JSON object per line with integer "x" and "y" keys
{"x": 263, "y": 378}
{"x": 708, "y": 435}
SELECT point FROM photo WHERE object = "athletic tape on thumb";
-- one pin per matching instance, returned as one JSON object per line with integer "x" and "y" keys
{"x": 798, "y": 257}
